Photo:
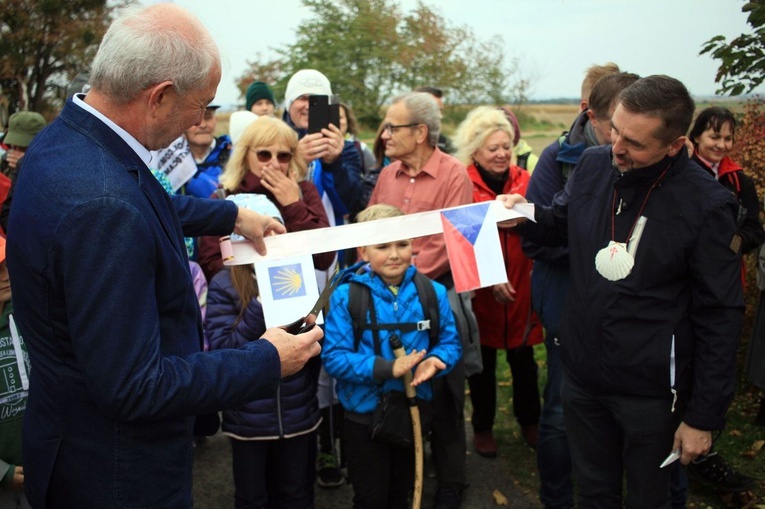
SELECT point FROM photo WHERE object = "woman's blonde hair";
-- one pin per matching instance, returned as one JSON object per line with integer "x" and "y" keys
{"x": 263, "y": 132}
{"x": 479, "y": 124}
{"x": 246, "y": 286}
{"x": 244, "y": 282}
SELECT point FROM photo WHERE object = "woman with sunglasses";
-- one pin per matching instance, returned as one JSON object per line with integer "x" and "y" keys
{"x": 266, "y": 161}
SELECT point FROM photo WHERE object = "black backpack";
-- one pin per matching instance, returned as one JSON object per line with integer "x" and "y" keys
{"x": 359, "y": 302}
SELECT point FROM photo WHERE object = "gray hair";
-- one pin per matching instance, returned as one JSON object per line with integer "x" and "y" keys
{"x": 478, "y": 125}
{"x": 423, "y": 109}
{"x": 149, "y": 45}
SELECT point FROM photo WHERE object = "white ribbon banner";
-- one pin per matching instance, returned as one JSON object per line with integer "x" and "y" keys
{"x": 336, "y": 238}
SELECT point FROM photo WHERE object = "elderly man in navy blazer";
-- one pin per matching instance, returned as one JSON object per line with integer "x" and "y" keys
{"x": 105, "y": 301}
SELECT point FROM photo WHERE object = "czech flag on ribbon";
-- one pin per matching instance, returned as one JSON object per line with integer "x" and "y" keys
{"x": 472, "y": 244}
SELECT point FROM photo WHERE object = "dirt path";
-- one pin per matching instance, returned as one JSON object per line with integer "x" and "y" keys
{"x": 214, "y": 488}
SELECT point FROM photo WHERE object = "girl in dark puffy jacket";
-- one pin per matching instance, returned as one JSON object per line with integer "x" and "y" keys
{"x": 273, "y": 440}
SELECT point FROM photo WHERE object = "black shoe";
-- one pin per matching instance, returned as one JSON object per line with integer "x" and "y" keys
{"x": 329, "y": 475}
{"x": 448, "y": 497}
{"x": 711, "y": 470}
{"x": 760, "y": 419}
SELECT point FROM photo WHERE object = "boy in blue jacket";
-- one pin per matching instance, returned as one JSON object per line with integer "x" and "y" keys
{"x": 382, "y": 474}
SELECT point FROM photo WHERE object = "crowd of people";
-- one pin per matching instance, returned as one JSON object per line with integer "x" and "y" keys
{"x": 128, "y": 340}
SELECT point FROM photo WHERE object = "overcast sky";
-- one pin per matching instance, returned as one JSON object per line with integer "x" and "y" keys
{"x": 555, "y": 40}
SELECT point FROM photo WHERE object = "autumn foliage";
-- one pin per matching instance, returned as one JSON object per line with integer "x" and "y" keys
{"x": 749, "y": 152}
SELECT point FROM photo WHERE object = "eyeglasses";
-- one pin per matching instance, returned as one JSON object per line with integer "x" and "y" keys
{"x": 266, "y": 155}
{"x": 389, "y": 128}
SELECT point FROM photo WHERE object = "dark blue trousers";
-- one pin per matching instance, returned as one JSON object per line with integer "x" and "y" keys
{"x": 381, "y": 474}
{"x": 616, "y": 436}
{"x": 278, "y": 474}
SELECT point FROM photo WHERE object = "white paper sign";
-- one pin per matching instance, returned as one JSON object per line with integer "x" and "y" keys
{"x": 176, "y": 162}
{"x": 288, "y": 289}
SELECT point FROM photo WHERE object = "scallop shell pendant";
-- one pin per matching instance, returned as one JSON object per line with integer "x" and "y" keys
{"x": 613, "y": 262}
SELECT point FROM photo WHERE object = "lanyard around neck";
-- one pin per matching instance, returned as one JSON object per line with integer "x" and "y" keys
{"x": 642, "y": 206}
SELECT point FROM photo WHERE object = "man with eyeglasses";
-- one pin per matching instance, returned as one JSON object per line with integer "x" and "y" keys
{"x": 108, "y": 310}
{"x": 210, "y": 153}
{"x": 423, "y": 178}
{"x": 444, "y": 143}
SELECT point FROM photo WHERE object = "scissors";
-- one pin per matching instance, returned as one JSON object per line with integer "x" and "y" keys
{"x": 300, "y": 325}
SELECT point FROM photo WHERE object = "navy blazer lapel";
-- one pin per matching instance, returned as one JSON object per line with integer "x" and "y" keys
{"x": 92, "y": 127}
{"x": 162, "y": 206}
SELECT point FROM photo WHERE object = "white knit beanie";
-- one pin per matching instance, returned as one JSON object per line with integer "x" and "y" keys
{"x": 238, "y": 122}
{"x": 306, "y": 81}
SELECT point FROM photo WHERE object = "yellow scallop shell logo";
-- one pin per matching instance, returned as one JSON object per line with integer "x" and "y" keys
{"x": 287, "y": 281}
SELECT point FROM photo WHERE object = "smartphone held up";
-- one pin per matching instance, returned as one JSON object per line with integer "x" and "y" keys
{"x": 322, "y": 111}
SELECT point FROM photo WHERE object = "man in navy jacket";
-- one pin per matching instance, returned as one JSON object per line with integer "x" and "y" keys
{"x": 105, "y": 297}
{"x": 549, "y": 279}
{"x": 654, "y": 310}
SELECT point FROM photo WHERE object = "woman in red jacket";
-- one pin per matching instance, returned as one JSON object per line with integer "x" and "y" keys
{"x": 505, "y": 318}
{"x": 266, "y": 161}
{"x": 712, "y": 137}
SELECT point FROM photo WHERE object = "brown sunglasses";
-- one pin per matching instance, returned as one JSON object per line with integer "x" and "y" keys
{"x": 266, "y": 155}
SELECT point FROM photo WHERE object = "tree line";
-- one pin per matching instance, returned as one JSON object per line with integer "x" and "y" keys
{"x": 369, "y": 49}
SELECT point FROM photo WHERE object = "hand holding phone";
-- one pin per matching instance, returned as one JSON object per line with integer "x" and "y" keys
{"x": 321, "y": 113}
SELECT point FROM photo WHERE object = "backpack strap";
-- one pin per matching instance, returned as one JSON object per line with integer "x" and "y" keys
{"x": 565, "y": 168}
{"x": 429, "y": 303}
{"x": 360, "y": 150}
{"x": 522, "y": 160}
{"x": 360, "y": 304}
{"x": 733, "y": 179}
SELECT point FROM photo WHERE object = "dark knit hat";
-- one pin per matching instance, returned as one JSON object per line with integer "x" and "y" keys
{"x": 257, "y": 91}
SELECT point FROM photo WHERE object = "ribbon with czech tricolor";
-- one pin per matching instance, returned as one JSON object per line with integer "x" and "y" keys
{"x": 470, "y": 233}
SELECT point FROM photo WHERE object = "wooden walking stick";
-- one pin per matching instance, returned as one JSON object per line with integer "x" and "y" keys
{"x": 411, "y": 396}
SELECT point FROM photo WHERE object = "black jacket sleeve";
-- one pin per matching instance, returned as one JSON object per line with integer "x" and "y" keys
{"x": 749, "y": 227}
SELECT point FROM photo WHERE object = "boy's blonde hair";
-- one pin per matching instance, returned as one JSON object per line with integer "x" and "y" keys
{"x": 375, "y": 212}
{"x": 379, "y": 211}
{"x": 593, "y": 74}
